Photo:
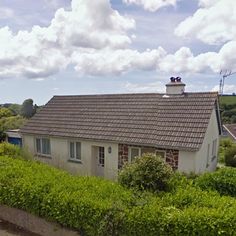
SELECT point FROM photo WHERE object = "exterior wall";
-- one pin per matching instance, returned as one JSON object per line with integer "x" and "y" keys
{"x": 60, "y": 156}
{"x": 212, "y": 133}
{"x": 198, "y": 162}
{"x": 172, "y": 156}
{"x": 186, "y": 161}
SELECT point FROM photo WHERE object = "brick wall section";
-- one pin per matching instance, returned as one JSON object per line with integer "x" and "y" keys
{"x": 172, "y": 156}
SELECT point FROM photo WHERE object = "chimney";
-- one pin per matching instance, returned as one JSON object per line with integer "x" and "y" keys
{"x": 175, "y": 86}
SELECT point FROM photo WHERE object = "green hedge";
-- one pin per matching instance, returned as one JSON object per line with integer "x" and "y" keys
{"x": 223, "y": 181}
{"x": 95, "y": 206}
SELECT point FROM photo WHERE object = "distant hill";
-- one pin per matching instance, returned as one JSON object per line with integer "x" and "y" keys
{"x": 228, "y": 108}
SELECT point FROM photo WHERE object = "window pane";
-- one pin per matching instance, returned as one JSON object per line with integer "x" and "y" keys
{"x": 147, "y": 150}
{"x": 134, "y": 153}
{"x": 38, "y": 145}
{"x": 160, "y": 154}
{"x": 72, "y": 150}
{"x": 101, "y": 156}
{"x": 78, "y": 150}
{"x": 46, "y": 146}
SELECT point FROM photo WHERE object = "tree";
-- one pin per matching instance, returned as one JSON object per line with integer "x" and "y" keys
{"x": 15, "y": 108}
{"x": 12, "y": 122}
{"x": 27, "y": 109}
{"x": 5, "y": 112}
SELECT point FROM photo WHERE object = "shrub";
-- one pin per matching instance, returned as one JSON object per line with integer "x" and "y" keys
{"x": 10, "y": 150}
{"x": 222, "y": 180}
{"x": 230, "y": 156}
{"x": 147, "y": 172}
{"x": 94, "y": 206}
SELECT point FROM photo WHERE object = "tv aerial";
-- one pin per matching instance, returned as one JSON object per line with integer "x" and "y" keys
{"x": 224, "y": 74}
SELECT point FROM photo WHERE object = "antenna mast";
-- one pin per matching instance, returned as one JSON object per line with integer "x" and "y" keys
{"x": 225, "y": 74}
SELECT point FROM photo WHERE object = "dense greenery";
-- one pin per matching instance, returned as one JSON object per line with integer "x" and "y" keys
{"x": 223, "y": 181}
{"x": 228, "y": 108}
{"x": 227, "y": 152}
{"x": 95, "y": 206}
{"x": 10, "y": 122}
{"x": 147, "y": 172}
{"x": 28, "y": 109}
{"x": 230, "y": 156}
{"x": 12, "y": 116}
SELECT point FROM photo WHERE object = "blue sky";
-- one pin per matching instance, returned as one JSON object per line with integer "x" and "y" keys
{"x": 50, "y": 47}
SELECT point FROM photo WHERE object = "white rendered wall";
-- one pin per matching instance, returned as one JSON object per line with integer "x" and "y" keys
{"x": 60, "y": 156}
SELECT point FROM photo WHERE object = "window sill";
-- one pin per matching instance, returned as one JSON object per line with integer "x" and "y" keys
{"x": 75, "y": 161}
{"x": 43, "y": 156}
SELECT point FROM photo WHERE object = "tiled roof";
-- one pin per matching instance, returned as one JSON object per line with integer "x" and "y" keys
{"x": 177, "y": 121}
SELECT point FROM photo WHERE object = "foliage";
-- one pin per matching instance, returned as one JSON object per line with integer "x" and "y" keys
{"x": 225, "y": 144}
{"x": 147, "y": 172}
{"x": 15, "y": 108}
{"x": 222, "y": 181}
{"x": 14, "y": 151}
{"x": 12, "y": 122}
{"x": 228, "y": 108}
{"x": 94, "y": 206}
{"x": 5, "y": 112}
{"x": 28, "y": 109}
{"x": 230, "y": 156}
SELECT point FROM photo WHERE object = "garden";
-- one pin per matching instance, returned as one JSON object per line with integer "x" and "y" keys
{"x": 148, "y": 199}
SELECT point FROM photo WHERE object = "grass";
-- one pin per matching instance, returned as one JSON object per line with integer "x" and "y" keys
{"x": 228, "y": 99}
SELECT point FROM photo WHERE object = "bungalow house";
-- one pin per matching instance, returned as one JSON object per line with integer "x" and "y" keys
{"x": 97, "y": 134}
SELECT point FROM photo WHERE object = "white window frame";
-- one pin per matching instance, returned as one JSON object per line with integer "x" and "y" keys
{"x": 40, "y": 153}
{"x": 140, "y": 151}
{"x": 214, "y": 149}
{"x": 75, "y": 158}
{"x": 163, "y": 152}
{"x": 208, "y": 154}
{"x": 129, "y": 152}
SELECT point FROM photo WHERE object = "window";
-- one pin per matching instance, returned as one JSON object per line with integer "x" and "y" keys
{"x": 214, "y": 148}
{"x": 101, "y": 156}
{"x": 43, "y": 146}
{"x": 161, "y": 154}
{"x": 208, "y": 155}
{"x": 75, "y": 150}
{"x": 136, "y": 151}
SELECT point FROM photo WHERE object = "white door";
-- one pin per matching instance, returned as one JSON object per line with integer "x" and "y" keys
{"x": 100, "y": 161}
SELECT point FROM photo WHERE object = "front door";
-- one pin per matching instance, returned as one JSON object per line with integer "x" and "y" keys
{"x": 100, "y": 159}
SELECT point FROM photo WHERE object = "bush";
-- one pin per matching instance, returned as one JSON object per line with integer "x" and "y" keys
{"x": 147, "y": 172}
{"x": 94, "y": 206}
{"x": 10, "y": 150}
{"x": 222, "y": 181}
{"x": 230, "y": 156}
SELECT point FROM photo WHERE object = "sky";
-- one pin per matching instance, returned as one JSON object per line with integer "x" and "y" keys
{"x": 64, "y": 47}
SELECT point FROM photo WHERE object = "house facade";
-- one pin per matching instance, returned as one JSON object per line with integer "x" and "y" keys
{"x": 97, "y": 134}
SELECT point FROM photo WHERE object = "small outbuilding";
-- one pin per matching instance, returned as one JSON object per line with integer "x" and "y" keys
{"x": 14, "y": 137}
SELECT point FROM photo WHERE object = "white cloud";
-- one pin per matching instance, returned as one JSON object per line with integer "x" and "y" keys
{"x": 96, "y": 40}
{"x": 214, "y": 23}
{"x": 106, "y": 61}
{"x": 6, "y": 13}
{"x": 152, "y": 5}
{"x": 44, "y": 51}
{"x": 184, "y": 60}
